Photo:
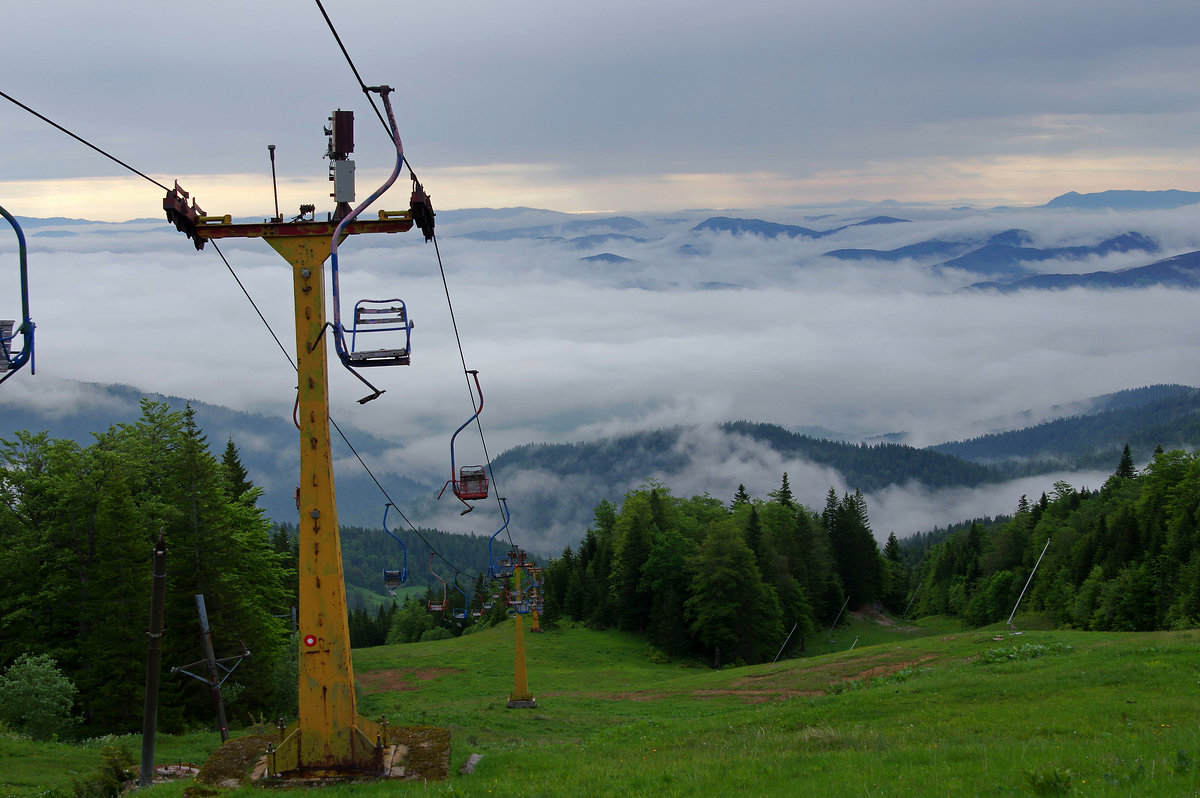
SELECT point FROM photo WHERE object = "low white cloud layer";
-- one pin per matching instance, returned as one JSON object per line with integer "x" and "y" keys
{"x": 567, "y": 349}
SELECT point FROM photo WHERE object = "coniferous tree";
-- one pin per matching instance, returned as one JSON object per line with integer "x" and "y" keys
{"x": 784, "y": 494}
{"x": 895, "y": 575}
{"x": 1125, "y": 469}
{"x": 634, "y": 530}
{"x": 731, "y": 612}
{"x": 854, "y": 548}
{"x": 665, "y": 579}
{"x": 77, "y": 528}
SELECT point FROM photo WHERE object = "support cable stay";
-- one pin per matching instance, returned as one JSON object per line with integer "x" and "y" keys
{"x": 431, "y": 236}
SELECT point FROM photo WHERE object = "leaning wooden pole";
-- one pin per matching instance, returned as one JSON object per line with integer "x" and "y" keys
{"x": 158, "y": 601}
{"x": 214, "y": 677}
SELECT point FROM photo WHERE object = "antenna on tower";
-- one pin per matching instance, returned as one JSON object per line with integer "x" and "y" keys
{"x": 274, "y": 185}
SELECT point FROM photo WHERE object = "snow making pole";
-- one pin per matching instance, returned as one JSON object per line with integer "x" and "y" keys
{"x": 1027, "y": 581}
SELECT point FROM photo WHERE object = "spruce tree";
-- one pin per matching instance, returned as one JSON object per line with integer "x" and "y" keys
{"x": 730, "y": 611}
{"x": 1125, "y": 469}
{"x": 784, "y": 494}
{"x": 239, "y": 484}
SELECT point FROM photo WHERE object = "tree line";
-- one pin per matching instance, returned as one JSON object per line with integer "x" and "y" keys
{"x": 697, "y": 577}
{"x": 78, "y": 526}
{"x": 1124, "y": 557}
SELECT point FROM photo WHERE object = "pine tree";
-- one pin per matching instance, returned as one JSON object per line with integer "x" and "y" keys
{"x": 730, "y": 611}
{"x": 1125, "y": 469}
{"x": 855, "y": 550}
{"x": 239, "y": 484}
{"x": 634, "y": 530}
{"x": 784, "y": 494}
{"x": 76, "y": 533}
{"x": 891, "y": 549}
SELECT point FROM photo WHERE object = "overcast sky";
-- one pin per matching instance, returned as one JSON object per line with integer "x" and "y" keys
{"x": 626, "y": 107}
{"x": 621, "y": 105}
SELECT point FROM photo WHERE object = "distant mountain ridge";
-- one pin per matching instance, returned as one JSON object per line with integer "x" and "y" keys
{"x": 1180, "y": 271}
{"x": 1125, "y": 200}
{"x": 557, "y": 486}
{"x": 1005, "y": 253}
{"x": 1160, "y": 415}
{"x": 935, "y": 248}
{"x": 760, "y": 227}
{"x": 1003, "y": 258}
{"x": 267, "y": 446}
{"x": 562, "y": 483}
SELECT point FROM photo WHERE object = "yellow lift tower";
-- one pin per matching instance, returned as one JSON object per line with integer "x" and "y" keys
{"x": 329, "y": 738}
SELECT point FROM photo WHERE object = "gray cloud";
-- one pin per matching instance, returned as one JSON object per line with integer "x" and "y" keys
{"x": 797, "y": 91}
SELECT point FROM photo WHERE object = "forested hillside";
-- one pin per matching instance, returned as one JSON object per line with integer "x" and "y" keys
{"x": 366, "y": 551}
{"x": 562, "y": 482}
{"x": 1123, "y": 557}
{"x": 1146, "y": 418}
{"x": 694, "y": 575}
{"x": 266, "y": 444}
{"x": 868, "y": 467}
{"x": 77, "y": 529}
{"x": 727, "y": 582}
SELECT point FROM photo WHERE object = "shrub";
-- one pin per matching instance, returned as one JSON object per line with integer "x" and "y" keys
{"x": 109, "y": 781}
{"x": 994, "y": 656}
{"x": 436, "y": 633}
{"x": 36, "y": 698}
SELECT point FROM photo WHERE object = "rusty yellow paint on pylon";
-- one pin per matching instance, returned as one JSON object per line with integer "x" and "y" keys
{"x": 521, "y": 697}
{"x": 329, "y": 734}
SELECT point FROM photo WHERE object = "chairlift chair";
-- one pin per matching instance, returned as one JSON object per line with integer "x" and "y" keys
{"x": 469, "y": 483}
{"x": 466, "y": 608}
{"x": 437, "y": 606}
{"x": 12, "y": 356}
{"x": 472, "y": 483}
{"x": 6, "y": 335}
{"x": 374, "y": 316}
{"x": 370, "y": 315}
{"x": 494, "y": 566}
{"x": 394, "y": 577}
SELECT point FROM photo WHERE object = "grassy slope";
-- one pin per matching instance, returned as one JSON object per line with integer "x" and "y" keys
{"x": 906, "y": 712}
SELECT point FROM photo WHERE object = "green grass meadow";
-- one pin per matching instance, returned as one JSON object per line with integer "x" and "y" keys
{"x": 919, "y": 710}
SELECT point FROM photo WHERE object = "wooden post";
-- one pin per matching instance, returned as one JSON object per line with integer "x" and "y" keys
{"x": 214, "y": 676}
{"x": 158, "y": 601}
